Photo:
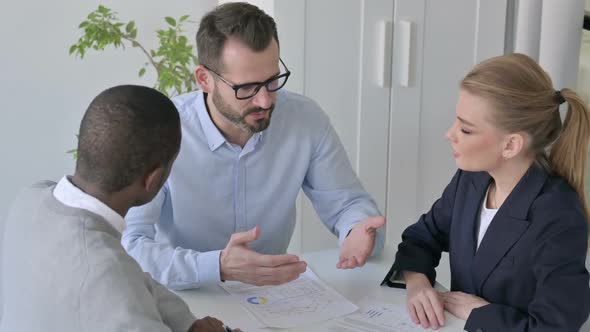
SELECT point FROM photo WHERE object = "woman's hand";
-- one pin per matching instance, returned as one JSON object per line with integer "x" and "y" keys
{"x": 424, "y": 303}
{"x": 460, "y": 304}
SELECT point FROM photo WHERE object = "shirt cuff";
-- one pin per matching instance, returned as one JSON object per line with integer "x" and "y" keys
{"x": 208, "y": 269}
{"x": 344, "y": 233}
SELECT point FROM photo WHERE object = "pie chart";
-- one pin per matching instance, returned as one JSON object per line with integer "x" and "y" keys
{"x": 257, "y": 300}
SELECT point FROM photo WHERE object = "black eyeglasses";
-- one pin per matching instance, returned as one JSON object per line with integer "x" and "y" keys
{"x": 249, "y": 90}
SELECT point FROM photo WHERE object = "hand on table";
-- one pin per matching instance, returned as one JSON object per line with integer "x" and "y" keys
{"x": 358, "y": 245}
{"x": 238, "y": 262}
{"x": 460, "y": 304}
{"x": 424, "y": 303}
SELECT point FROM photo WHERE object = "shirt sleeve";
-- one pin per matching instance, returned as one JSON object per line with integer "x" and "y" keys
{"x": 175, "y": 267}
{"x": 117, "y": 296}
{"x": 336, "y": 192}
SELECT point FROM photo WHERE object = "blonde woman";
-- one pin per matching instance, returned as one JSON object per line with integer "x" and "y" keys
{"x": 513, "y": 218}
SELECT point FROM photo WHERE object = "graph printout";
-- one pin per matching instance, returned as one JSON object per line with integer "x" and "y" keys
{"x": 300, "y": 302}
{"x": 377, "y": 317}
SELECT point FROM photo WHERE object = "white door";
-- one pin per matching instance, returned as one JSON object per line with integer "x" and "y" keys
{"x": 341, "y": 42}
{"x": 446, "y": 39}
{"x": 393, "y": 133}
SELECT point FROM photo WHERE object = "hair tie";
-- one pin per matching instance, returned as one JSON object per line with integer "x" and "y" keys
{"x": 560, "y": 98}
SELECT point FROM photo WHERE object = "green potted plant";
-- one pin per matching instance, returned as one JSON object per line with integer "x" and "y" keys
{"x": 173, "y": 61}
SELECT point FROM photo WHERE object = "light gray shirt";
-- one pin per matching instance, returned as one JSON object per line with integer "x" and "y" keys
{"x": 65, "y": 270}
{"x": 217, "y": 188}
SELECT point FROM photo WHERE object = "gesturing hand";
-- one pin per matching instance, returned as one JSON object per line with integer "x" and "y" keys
{"x": 238, "y": 262}
{"x": 460, "y": 304}
{"x": 358, "y": 245}
{"x": 424, "y": 303}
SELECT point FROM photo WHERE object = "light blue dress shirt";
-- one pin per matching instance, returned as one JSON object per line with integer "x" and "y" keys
{"x": 217, "y": 188}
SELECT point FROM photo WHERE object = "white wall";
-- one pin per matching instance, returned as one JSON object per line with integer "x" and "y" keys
{"x": 448, "y": 38}
{"x": 584, "y": 74}
{"x": 339, "y": 72}
{"x": 332, "y": 75}
{"x": 44, "y": 91}
{"x": 330, "y": 79}
{"x": 561, "y": 32}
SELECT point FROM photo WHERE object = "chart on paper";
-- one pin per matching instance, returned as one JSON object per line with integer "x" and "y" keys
{"x": 378, "y": 317}
{"x": 302, "y": 301}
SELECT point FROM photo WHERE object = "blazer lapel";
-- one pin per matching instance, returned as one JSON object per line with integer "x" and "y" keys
{"x": 464, "y": 248}
{"x": 508, "y": 225}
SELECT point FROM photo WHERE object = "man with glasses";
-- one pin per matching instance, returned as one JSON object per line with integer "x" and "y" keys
{"x": 227, "y": 211}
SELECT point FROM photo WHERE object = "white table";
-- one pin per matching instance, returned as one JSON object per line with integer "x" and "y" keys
{"x": 356, "y": 285}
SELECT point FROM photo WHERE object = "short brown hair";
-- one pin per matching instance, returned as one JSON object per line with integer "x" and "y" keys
{"x": 242, "y": 21}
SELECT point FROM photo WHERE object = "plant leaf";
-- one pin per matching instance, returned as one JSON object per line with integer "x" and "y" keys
{"x": 129, "y": 26}
{"x": 170, "y": 21}
{"x": 141, "y": 72}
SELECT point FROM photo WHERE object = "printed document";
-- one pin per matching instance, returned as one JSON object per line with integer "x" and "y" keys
{"x": 378, "y": 317}
{"x": 303, "y": 301}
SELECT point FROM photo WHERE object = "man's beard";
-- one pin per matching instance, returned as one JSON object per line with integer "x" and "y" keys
{"x": 240, "y": 120}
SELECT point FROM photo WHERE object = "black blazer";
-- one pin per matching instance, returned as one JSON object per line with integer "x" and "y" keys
{"x": 530, "y": 264}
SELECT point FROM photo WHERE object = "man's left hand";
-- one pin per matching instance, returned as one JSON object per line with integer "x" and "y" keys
{"x": 460, "y": 304}
{"x": 358, "y": 245}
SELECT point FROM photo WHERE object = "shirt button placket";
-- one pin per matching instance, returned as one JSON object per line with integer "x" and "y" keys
{"x": 240, "y": 195}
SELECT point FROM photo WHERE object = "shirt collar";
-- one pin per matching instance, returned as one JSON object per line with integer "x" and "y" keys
{"x": 215, "y": 138}
{"x": 67, "y": 193}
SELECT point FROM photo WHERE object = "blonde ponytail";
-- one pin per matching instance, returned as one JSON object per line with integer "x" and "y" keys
{"x": 568, "y": 155}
